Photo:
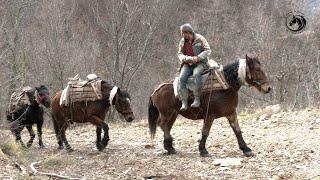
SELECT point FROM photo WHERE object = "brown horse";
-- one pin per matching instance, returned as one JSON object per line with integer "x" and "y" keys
{"x": 91, "y": 111}
{"x": 164, "y": 107}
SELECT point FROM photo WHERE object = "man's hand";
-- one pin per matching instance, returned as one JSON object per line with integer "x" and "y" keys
{"x": 195, "y": 59}
{"x": 188, "y": 60}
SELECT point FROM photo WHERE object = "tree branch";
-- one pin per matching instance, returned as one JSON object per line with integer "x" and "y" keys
{"x": 35, "y": 172}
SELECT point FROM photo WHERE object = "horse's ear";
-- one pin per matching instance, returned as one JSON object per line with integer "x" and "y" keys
{"x": 247, "y": 57}
{"x": 40, "y": 87}
{"x": 249, "y": 61}
{"x": 119, "y": 92}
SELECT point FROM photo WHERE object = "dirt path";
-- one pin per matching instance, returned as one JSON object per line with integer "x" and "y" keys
{"x": 285, "y": 146}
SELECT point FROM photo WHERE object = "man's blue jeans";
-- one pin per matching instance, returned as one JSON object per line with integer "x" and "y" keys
{"x": 194, "y": 70}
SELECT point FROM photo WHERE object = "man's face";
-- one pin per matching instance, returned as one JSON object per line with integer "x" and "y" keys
{"x": 187, "y": 35}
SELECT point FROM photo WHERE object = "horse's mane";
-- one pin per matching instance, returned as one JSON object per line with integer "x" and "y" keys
{"x": 31, "y": 95}
{"x": 231, "y": 73}
{"x": 105, "y": 88}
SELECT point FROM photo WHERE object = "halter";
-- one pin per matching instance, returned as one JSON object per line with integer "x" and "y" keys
{"x": 113, "y": 93}
{"x": 243, "y": 71}
{"x": 38, "y": 97}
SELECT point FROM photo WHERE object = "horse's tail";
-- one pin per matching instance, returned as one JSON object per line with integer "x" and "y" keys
{"x": 153, "y": 115}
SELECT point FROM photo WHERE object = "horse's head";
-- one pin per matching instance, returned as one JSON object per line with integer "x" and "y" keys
{"x": 42, "y": 96}
{"x": 122, "y": 103}
{"x": 255, "y": 76}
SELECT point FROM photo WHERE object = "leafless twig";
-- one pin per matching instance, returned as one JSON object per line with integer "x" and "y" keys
{"x": 35, "y": 171}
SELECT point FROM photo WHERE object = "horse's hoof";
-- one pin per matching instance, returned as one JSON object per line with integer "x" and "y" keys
{"x": 170, "y": 152}
{"x": 60, "y": 147}
{"x": 42, "y": 146}
{"x": 204, "y": 153}
{"x": 70, "y": 150}
{"x": 248, "y": 154}
{"x": 100, "y": 146}
{"x": 29, "y": 145}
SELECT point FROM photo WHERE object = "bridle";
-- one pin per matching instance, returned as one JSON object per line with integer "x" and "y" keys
{"x": 39, "y": 98}
{"x": 244, "y": 72}
{"x": 113, "y": 98}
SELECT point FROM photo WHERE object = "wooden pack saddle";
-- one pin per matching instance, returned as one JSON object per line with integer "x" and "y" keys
{"x": 82, "y": 90}
{"x": 215, "y": 80}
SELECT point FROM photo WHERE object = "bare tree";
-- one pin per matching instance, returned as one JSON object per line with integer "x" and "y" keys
{"x": 132, "y": 43}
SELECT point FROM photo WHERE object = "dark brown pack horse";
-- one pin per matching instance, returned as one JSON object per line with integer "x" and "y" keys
{"x": 91, "y": 111}
{"x": 164, "y": 107}
{"x": 27, "y": 115}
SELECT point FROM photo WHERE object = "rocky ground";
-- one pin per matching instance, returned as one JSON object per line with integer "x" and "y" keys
{"x": 286, "y": 146}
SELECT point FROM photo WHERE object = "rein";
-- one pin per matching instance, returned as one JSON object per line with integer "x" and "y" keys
{"x": 208, "y": 104}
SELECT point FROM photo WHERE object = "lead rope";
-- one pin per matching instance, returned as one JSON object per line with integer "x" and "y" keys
{"x": 23, "y": 114}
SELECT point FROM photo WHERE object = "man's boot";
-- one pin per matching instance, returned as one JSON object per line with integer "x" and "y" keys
{"x": 196, "y": 101}
{"x": 184, "y": 99}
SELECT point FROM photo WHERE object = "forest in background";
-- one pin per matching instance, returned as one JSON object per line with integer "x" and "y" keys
{"x": 133, "y": 44}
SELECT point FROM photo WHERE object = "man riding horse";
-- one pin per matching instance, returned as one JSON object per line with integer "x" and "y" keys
{"x": 193, "y": 54}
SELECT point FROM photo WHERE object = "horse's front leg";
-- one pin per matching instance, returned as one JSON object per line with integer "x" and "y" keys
{"x": 39, "y": 130}
{"x": 204, "y": 135}
{"x": 98, "y": 142}
{"x": 101, "y": 144}
{"x": 32, "y": 135}
{"x": 233, "y": 121}
{"x": 19, "y": 139}
{"x": 106, "y": 138}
